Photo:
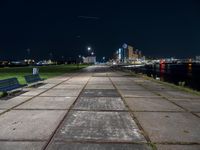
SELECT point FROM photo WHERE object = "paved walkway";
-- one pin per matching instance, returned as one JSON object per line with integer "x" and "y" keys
{"x": 99, "y": 109}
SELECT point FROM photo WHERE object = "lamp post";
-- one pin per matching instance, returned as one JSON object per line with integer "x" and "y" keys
{"x": 104, "y": 59}
{"x": 89, "y": 49}
{"x": 78, "y": 61}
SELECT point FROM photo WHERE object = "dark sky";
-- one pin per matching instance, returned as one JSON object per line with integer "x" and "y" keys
{"x": 162, "y": 28}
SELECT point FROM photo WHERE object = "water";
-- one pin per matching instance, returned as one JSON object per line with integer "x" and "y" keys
{"x": 185, "y": 74}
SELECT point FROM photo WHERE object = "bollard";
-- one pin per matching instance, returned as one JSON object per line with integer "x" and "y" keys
{"x": 35, "y": 71}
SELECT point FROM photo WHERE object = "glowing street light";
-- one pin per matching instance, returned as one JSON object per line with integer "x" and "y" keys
{"x": 89, "y": 48}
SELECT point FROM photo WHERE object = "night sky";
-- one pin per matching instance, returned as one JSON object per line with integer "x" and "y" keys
{"x": 162, "y": 28}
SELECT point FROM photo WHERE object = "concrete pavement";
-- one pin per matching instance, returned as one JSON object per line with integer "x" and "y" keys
{"x": 100, "y": 109}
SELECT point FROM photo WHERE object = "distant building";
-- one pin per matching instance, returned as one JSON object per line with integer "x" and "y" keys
{"x": 4, "y": 63}
{"x": 89, "y": 60}
{"x": 198, "y": 58}
{"x": 132, "y": 53}
{"x": 127, "y": 54}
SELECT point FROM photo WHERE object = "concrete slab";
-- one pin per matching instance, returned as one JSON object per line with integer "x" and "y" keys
{"x": 93, "y": 146}
{"x": 124, "y": 83}
{"x": 69, "y": 86}
{"x": 151, "y": 104}
{"x": 119, "y": 79}
{"x": 177, "y": 94}
{"x": 170, "y": 127}
{"x": 141, "y": 80}
{"x": 191, "y": 105}
{"x": 99, "y": 86}
{"x": 54, "y": 81}
{"x": 124, "y": 73}
{"x": 33, "y": 92}
{"x": 133, "y": 93}
{"x": 62, "y": 92}
{"x": 7, "y": 104}
{"x": 46, "y": 86}
{"x": 29, "y": 125}
{"x": 77, "y": 80}
{"x": 113, "y": 74}
{"x": 21, "y": 145}
{"x": 99, "y": 82}
{"x": 99, "y": 126}
{"x": 100, "y": 75}
{"x": 100, "y": 103}
{"x": 85, "y": 75}
{"x": 153, "y": 87}
{"x": 130, "y": 87}
{"x": 178, "y": 147}
{"x": 48, "y": 103}
{"x": 63, "y": 76}
{"x": 150, "y": 83}
{"x": 99, "y": 93}
{"x": 103, "y": 79}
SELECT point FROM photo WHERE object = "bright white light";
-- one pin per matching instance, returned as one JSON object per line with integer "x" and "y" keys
{"x": 89, "y": 48}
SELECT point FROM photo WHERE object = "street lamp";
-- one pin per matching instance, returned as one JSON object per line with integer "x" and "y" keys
{"x": 92, "y": 53}
{"x": 89, "y": 48}
{"x": 104, "y": 59}
{"x": 78, "y": 61}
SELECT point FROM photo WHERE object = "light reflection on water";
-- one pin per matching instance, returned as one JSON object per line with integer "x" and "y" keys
{"x": 189, "y": 69}
{"x": 176, "y": 73}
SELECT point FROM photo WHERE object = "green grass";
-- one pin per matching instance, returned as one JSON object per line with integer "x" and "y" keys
{"x": 44, "y": 71}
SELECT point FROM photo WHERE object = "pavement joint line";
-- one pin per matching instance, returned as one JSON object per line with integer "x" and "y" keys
{"x": 23, "y": 140}
{"x": 168, "y": 99}
{"x": 132, "y": 115}
{"x": 99, "y": 142}
{"x": 72, "y": 75}
{"x": 50, "y": 140}
{"x": 57, "y": 96}
{"x": 159, "y": 111}
{"x": 180, "y": 106}
{"x": 140, "y": 96}
{"x": 178, "y": 143}
{"x": 98, "y": 110}
{"x": 39, "y": 109}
